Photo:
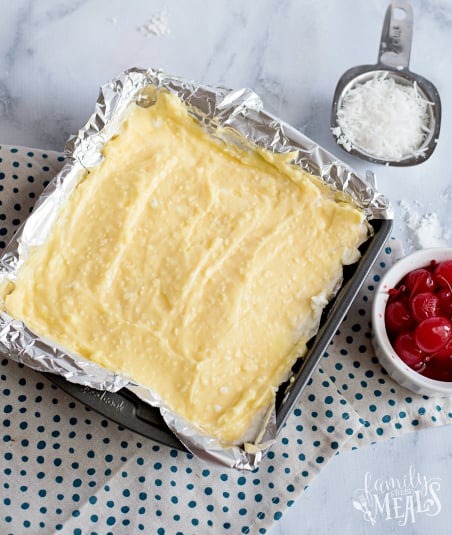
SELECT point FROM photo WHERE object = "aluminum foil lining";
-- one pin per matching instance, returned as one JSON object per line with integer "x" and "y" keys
{"x": 238, "y": 111}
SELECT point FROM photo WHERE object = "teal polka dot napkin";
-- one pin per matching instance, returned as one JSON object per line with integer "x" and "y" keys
{"x": 67, "y": 469}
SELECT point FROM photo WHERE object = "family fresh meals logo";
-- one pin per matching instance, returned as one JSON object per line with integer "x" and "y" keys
{"x": 401, "y": 499}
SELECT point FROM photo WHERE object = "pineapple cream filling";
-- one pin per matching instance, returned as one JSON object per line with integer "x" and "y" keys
{"x": 193, "y": 267}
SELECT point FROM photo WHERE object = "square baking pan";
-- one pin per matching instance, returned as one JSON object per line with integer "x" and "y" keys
{"x": 126, "y": 409}
{"x": 235, "y": 117}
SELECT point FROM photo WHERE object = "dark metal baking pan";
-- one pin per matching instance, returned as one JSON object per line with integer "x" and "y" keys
{"x": 122, "y": 407}
{"x": 130, "y": 412}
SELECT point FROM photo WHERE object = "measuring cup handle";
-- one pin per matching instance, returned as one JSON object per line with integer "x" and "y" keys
{"x": 396, "y": 36}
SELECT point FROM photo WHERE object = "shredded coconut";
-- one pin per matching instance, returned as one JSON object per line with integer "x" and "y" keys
{"x": 383, "y": 118}
{"x": 156, "y": 25}
{"x": 424, "y": 230}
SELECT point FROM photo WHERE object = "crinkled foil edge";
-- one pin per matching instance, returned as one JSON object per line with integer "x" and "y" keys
{"x": 235, "y": 111}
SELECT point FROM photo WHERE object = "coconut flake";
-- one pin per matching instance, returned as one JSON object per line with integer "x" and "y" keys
{"x": 156, "y": 25}
{"x": 424, "y": 230}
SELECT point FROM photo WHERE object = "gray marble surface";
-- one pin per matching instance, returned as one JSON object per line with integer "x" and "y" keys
{"x": 54, "y": 54}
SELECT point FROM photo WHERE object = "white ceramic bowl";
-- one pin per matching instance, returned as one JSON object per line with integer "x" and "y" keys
{"x": 386, "y": 354}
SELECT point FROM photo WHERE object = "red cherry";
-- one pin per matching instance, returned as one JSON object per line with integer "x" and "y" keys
{"x": 445, "y": 302}
{"x": 445, "y": 352}
{"x": 408, "y": 351}
{"x": 418, "y": 319}
{"x": 439, "y": 368}
{"x": 424, "y": 305}
{"x": 399, "y": 292}
{"x": 418, "y": 281}
{"x": 432, "y": 334}
{"x": 397, "y": 317}
{"x": 443, "y": 274}
{"x": 439, "y": 374}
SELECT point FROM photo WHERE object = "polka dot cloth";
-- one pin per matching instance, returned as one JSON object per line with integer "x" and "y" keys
{"x": 65, "y": 468}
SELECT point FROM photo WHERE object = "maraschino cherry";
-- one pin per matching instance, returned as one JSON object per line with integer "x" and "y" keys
{"x": 418, "y": 320}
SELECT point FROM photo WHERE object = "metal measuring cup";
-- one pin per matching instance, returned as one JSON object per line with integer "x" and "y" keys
{"x": 393, "y": 61}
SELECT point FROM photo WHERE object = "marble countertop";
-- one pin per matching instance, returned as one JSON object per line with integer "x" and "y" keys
{"x": 54, "y": 55}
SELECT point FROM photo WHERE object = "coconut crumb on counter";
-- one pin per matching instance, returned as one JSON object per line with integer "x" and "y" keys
{"x": 156, "y": 25}
{"x": 424, "y": 229}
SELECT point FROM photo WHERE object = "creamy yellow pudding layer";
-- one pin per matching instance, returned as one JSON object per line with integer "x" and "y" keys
{"x": 193, "y": 267}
